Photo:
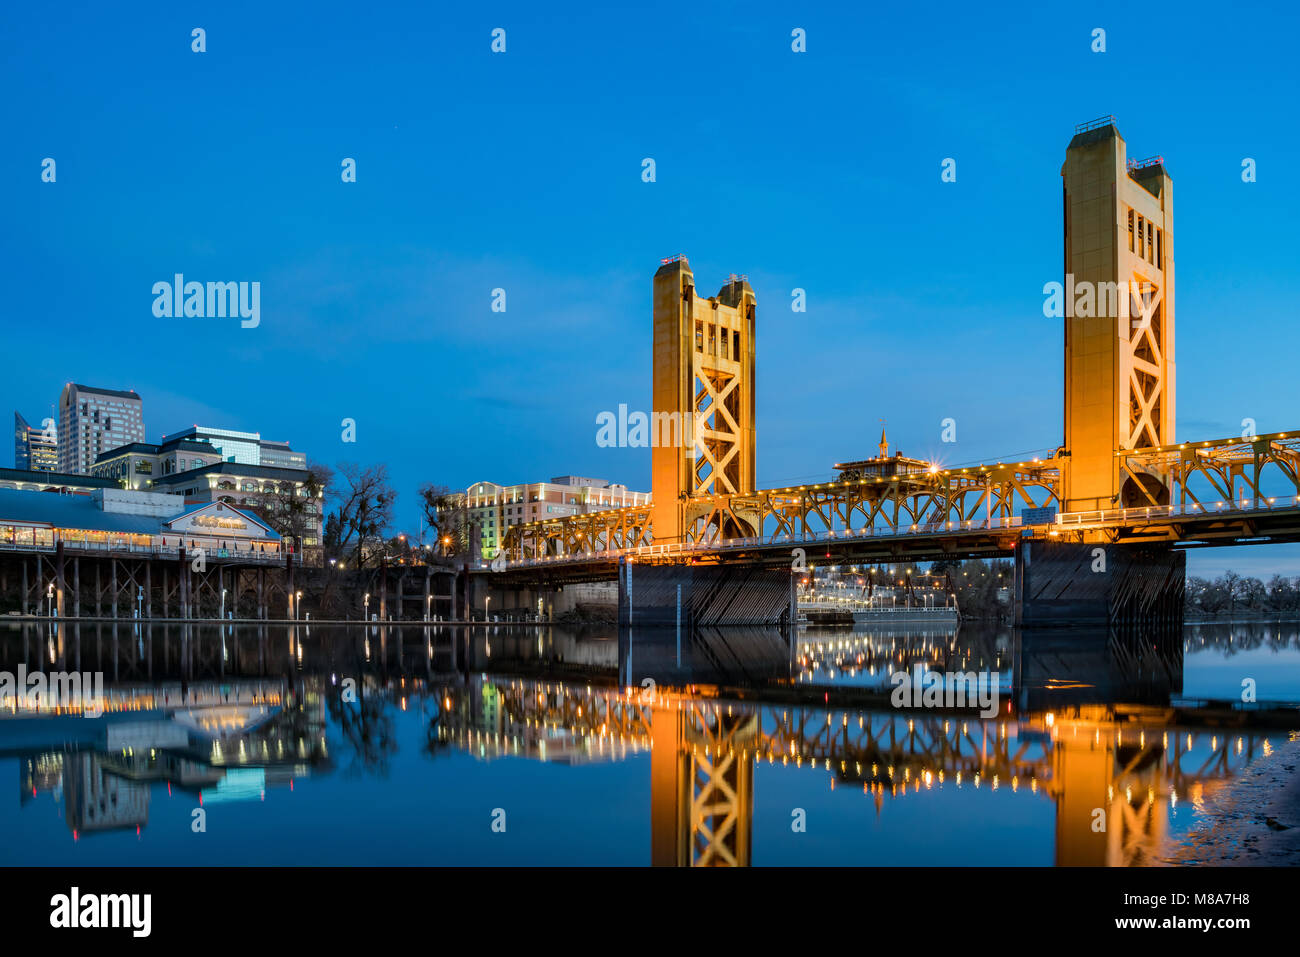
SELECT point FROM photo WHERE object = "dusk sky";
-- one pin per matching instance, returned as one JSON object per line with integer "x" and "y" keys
{"x": 523, "y": 171}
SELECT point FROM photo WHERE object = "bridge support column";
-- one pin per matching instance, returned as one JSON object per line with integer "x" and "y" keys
{"x": 1125, "y": 589}
{"x": 704, "y": 595}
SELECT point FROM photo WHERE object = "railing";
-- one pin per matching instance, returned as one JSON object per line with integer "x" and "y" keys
{"x": 1098, "y": 123}
{"x": 145, "y": 551}
{"x": 1191, "y": 510}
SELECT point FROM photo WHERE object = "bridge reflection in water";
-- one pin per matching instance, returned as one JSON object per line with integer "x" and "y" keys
{"x": 1091, "y": 723}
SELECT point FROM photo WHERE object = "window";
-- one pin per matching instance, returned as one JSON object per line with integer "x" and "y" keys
{"x": 1160, "y": 253}
{"x": 1130, "y": 230}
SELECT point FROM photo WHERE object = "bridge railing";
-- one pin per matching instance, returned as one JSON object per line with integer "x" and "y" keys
{"x": 1188, "y": 510}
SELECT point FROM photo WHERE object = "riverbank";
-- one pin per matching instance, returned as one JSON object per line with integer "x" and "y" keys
{"x": 1255, "y": 821}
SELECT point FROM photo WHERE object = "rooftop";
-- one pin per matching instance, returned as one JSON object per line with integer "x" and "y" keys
{"x": 113, "y": 392}
{"x": 55, "y": 479}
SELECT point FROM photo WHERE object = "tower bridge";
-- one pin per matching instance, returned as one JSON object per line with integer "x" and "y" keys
{"x": 1119, "y": 480}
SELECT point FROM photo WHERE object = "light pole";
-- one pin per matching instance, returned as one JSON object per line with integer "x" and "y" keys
{"x": 367, "y": 601}
{"x": 222, "y": 616}
{"x": 486, "y": 602}
{"x": 49, "y": 608}
{"x": 428, "y": 603}
{"x": 297, "y": 600}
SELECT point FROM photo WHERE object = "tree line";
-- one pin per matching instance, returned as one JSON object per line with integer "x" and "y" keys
{"x": 1231, "y": 593}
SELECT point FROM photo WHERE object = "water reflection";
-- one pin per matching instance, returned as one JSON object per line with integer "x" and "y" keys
{"x": 1089, "y": 727}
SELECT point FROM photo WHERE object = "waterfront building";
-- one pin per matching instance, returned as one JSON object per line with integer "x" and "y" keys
{"x": 115, "y": 519}
{"x": 284, "y": 495}
{"x": 94, "y": 420}
{"x": 494, "y": 509}
{"x": 34, "y": 448}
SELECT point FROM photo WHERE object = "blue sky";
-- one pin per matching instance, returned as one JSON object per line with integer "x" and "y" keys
{"x": 522, "y": 171}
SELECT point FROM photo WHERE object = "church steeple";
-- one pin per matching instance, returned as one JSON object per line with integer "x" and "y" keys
{"x": 884, "y": 445}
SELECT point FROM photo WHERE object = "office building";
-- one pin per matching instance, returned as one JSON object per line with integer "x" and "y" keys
{"x": 35, "y": 449}
{"x": 245, "y": 448}
{"x": 92, "y": 421}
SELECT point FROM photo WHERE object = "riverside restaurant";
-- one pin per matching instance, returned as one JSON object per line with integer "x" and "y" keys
{"x": 119, "y": 520}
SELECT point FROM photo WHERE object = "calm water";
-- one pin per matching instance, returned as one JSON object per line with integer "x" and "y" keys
{"x": 543, "y": 746}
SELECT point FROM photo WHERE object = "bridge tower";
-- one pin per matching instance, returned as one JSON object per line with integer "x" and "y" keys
{"x": 1119, "y": 318}
{"x": 702, "y": 426}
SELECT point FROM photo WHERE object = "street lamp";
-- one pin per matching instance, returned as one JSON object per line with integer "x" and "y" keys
{"x": 428, "y": 603}
{"x": 50, "y": 604}
{"x": 486, "y": 602}
{"x": 367, "y": 601}
{"x": 297, "y": 600}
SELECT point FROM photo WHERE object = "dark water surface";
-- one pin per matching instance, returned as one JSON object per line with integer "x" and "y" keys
{"x": 341, "y": 745}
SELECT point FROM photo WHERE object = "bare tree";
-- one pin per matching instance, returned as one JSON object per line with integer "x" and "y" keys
{"x": 298, "y": 512}
{"x": 365, "y": 509}
{"x": 447, "y": 515}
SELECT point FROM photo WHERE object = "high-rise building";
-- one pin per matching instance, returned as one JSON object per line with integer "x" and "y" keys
{"x": 92, "y": 421}
{"x": 35, "y": 450}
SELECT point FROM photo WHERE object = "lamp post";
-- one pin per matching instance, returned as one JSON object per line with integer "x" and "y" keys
{"x": 367, "y": 601}
{"x": 297, "y": 600}
{"x": 49, "y": 594}
{"x": 428, "y": 603}
{"x": 222, "y": 615}
{"x": 486, "y": 602}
